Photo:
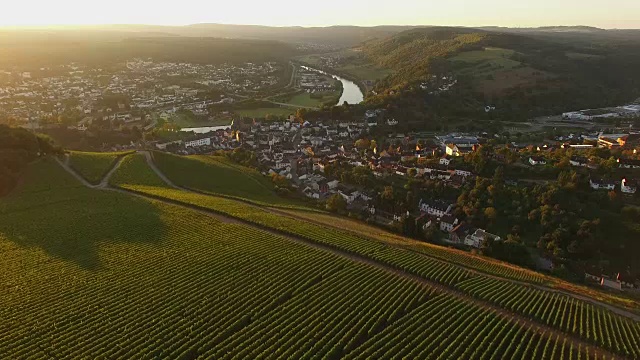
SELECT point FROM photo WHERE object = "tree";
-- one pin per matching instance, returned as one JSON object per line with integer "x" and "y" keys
{"x": 336, "y": 203}
{"x": 491, "y": 213}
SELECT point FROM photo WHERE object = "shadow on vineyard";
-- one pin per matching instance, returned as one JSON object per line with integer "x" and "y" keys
{"x": 72, "y": 223}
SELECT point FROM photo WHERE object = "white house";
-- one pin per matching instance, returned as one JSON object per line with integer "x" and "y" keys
{"x": 445, "y": 161}
{"x": 448, "y": 222}
{"x": 163, "y": 146}
{"x": 629, "y": 163}
{"x": 392, "y": 122}
{"x": 627, "y": 188}
{"x": 600, "y": 184}
{"x": 199, "y": 142}
{"x": 462, "y": 172}
{"x": 478, "y": 236}
{"x": 333, "y": 184}
{"x": 435, "y": 208}
{"x": 578, "y": 161}
{"x": 537, "y": 160}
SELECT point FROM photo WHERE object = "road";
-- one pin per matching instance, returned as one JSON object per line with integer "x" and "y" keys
{"x": 544, "y": 330}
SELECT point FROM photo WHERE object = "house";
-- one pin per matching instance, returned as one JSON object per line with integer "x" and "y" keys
{"x": 448, "y": 222}
{"x": 445, "y": 161}
{"x": 310, "y": 193}
{"x": 435, "y": 208}
{"x": 605, "y": 281}
{"x": 333, "y": 184}
{"x": 198, "y": 142}
{"x": 627, "y": 187}
{"x": 628, "y": 163}
{"x": 458, "y": 233}
{"x": 464, "y": 173}
{"x": 578, "y": 161}
{"x": 163, "y": 146}
{"x": 478, "y": 237}
{"x": 537, "y": 160}
{"x": 392, "y": 122}
{"x": 601, "y": 184}
{"x": 459, "y": 149}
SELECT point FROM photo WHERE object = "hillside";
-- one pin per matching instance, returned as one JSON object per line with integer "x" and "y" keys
{"x": 106, "y": 265}
{"x": 523, "y": 73}
{"x": 329, "y": 37}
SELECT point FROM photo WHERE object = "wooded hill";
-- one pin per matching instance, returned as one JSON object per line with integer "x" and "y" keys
{"x": 521, "y": 72}
{"x": 26, "y": 49}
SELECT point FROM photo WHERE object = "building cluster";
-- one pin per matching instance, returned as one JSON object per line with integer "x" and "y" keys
{"x": 314, "y": 81}
{"x": 128, "y": 94}
{"x": 625, "y": 111}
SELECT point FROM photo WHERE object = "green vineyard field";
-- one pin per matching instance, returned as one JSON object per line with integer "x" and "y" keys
{"x": 93, "y": 166}
{"x": 89, "y": 273}
{"x": 570, "y": 315}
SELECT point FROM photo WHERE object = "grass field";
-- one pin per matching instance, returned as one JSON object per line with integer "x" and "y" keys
{"x": 306, "y": 99}
{"x": 168, "y": 282}
{"x": 365, "y": 72}
{"x": 263, "y": 112}
{"x": 93, "y": 166}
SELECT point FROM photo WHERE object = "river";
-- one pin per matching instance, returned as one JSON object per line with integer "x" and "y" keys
{"x": 351, "y": 93}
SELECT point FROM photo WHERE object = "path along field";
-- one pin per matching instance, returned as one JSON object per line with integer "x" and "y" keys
{"x": 93, "y": 166}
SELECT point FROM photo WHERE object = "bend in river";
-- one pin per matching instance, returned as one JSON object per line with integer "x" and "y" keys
{"x": 351, "y": 93}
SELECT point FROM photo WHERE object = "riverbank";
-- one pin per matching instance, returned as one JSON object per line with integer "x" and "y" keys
{"x": 352, "y": 92}
{"x": 348, "y": 76}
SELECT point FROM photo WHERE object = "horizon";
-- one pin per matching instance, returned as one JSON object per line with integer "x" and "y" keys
{"x": 106, "y": 25}
{"x": 288, "y": 13}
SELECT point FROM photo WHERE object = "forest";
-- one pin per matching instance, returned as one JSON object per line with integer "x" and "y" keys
{"x": 18, "y": 147}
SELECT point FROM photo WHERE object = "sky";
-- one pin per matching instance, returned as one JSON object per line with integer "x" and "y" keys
{"x": 512, "y": 13}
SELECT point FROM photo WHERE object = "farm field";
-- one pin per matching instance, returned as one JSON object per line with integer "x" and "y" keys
{"x": 169, "y": 282}
{"x": 314, "y": 100}
{"x": 93, "y": 166}
{"x": 263, "y": 112}
{"x": 365, "y": 72}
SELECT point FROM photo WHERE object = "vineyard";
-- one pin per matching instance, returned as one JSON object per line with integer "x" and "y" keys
{"x": 187, "y": 286}
{"x": 115, "y": 276}
{"x": 567, "y": 314}
{"x": 218, "y": 175}
{"x": 93, "y": 166}
{"x": 458, "y": 257}
{"x": 134, "y": 170}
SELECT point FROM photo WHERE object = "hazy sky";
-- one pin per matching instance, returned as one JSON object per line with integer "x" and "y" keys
{"x": 520, "y": 13}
